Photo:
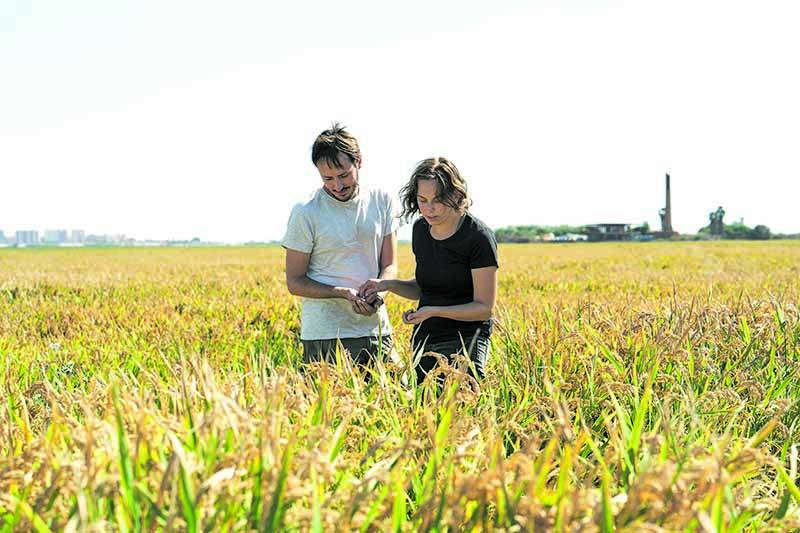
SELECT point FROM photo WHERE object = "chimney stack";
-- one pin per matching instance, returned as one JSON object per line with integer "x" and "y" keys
{"x": 668, "y": 212}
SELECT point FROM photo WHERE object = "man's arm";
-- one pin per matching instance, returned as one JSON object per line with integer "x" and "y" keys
{"x": 388, "y": 259}
{"x": 299, "y": 284}
{"x": 387, "y": 281}
{"x": 387, "y": 264}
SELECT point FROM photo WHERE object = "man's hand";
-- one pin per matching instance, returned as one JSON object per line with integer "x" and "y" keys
{"x": 360, "y": 305}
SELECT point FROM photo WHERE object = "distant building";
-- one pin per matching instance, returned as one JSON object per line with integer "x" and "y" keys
{"x": 78, "y": 236}
{"x": 55, "y": 236}
{"x": 2, "y": 238}
{"x": 608, "y": 232}
{"x": 571, "y": 237}
{"x": 97, "y": 239}
{"x": 27, "y": 238}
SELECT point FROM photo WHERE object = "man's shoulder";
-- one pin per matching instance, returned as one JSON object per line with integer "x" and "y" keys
{"x": 376, "y": 194}
{"x": 308, "y": 204}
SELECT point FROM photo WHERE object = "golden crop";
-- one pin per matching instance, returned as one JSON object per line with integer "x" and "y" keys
{"x": 648, "y": 386}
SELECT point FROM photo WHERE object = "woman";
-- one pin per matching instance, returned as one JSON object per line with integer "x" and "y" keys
{"x": 456, "y": 274}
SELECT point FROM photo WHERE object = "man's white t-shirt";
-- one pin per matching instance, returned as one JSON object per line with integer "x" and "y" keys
{"x": 344, "y": 240}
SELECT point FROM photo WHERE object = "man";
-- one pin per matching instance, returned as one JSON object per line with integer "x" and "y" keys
{"x": 343, "y": 235}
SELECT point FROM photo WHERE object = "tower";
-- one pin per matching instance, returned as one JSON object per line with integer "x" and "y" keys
{"x": 666, "y": 213}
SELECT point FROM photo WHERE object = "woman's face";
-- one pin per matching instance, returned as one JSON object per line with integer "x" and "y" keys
{"x": 432, "y": 209}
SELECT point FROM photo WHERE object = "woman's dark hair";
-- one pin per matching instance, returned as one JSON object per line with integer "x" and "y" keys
{"x": 332, "y": 142}
{"x": 451, "y": 189}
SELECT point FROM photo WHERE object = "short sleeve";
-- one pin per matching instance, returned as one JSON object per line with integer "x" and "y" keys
{"x": 483, "y": 252}
{"x": 392, "y": 220}
{"x": 415, "y": 234}
{"x": 299, "y": 231}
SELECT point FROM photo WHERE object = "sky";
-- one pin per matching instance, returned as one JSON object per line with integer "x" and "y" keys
{"x": 180, "y": 119}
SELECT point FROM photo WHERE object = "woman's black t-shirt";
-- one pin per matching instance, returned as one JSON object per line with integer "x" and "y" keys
{"x": 444, "y": 274}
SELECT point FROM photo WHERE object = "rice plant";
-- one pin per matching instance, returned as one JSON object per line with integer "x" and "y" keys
{"x": 630, "y": 387}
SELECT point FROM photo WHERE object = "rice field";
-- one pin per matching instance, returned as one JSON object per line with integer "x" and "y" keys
{"x": 631, "y": 387}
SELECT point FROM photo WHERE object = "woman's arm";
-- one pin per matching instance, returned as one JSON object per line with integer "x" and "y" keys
{"x": 386, "y": 280}
{"x": 484, "y": 283}
{"x": 405, "y": 288}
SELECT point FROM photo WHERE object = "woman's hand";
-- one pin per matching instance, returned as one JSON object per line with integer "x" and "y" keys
{"x": 371, "y": 288}
{"x": 420, "y": 315}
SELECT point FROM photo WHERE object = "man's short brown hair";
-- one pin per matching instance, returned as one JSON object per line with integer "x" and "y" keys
{"x": 332, "y": 142}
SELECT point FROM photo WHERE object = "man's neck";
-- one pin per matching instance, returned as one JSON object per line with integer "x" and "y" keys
{"x": 355, "y": 193}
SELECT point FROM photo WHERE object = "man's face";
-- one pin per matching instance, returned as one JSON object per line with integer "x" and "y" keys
{"x": 340, "y": 182}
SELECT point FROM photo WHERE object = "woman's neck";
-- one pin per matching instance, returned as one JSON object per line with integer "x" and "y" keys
{"x": 447, "y": 229}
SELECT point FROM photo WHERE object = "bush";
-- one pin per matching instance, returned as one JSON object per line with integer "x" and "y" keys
{"x": 760, "y": 232}
{"x": 530, "y": 233}
{"x": 737, "y": 230}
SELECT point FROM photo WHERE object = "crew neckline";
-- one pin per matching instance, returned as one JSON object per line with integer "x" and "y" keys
{"x": 456, "y": 232}
{"x": 350, "y": 202}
